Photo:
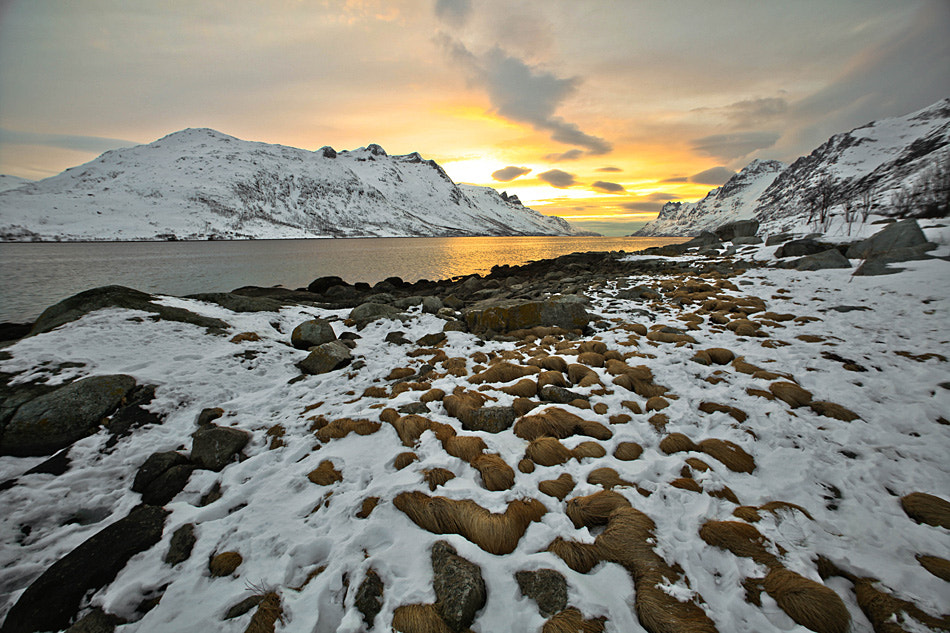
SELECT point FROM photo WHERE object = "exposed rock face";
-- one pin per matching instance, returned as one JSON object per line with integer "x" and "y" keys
{"x": 488, "y": 419}
{"x": 312, "y": 333}
{"x": 161, "y": 477}
{"x": 369, "y": 597}
{"x": 325, "y": 358}
{"x": 459, "y": 588}
{"x": 55, "y": 420}
{"x": 546, "y": 587}
{"x": 183, "y": 540}
{"x": 740, "y": 228}
{"x": 831, "y": 258}
{"x": 800, "y": 248}
{"x": 894, "y": 241}
{"x": 517, "y": 315}
{"x": 51, "y": 601}
{"x": 214, "y": 446}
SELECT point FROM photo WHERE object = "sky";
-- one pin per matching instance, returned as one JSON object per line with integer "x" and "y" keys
{"x": 596, "y": 111}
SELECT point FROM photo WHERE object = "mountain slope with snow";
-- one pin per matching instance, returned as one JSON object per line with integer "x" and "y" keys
{"x": 201, "y": 184}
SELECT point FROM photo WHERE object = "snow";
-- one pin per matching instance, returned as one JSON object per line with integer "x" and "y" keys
{"x": 286, "y": 527}
{"x": 8, "y": 182}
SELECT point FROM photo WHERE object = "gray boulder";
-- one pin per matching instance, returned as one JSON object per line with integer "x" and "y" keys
{"x": 312, "y": 333}
{"x": 546, "y": 587}
{"x": 459, "y": 587}
{"x": 488, "y": 419}
{"x": 740, "y": 228}
{"x": 777, "y": 238}
{"x": 213, "y": 447}
{"x": 369, "y": 597}
{"x": 367, "y": 312}
{"x": 52, "y": 600}
{"x": 431, "y": 305}
{"x": 506, "y": 316}
{"x": 800, "y": 248}
{"x": 322, "y": 284}
{"x": 239, "y": 303}
{"x": 161, "y": 477}
{"x": 55, "y": 420}
{"x": 831, "y": 258}
{"x": 326, "y": 358}
{"x": 705, "y": 239}
{"x": 900, "y": 241}
{"x": 560, "y": 395}
{"x": 747, "y": 240}
{"x": 183, "y": 540}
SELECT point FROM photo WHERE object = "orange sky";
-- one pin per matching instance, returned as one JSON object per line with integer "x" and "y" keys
{"x": 632, "y": 103}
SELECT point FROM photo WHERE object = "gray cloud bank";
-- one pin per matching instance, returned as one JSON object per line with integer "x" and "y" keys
{"x": 75, "y": 142}
{"x": 507, "y": 174}
{"x": 558, "y": 178}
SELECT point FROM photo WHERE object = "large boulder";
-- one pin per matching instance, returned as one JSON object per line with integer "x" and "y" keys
{"x": 312, "y": 333}
{"x": 55, "y": 420}
{"x": 53, "y": 599}
{"x": 505, "y": 316}
{"x": 366, "y": 312}
{"x": 739, "y": 228}
{"x": 117, "y": 297}
{"x": 213, "y": 447}
{"x": 831, "y": 258}
{"x": 326, "y": 358}
{"x": 239, "y": 303}
{"x": 546, "y": 587}
{"x": 321, "y": 284}
{"x": 161, "y": 477}
{"x": 900, "y": 239}
{"x": 800, "y": 248}
{"x": 459, "y": 587}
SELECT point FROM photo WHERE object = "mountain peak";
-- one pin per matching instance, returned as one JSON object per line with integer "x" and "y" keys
{"x": 193, "y": 135}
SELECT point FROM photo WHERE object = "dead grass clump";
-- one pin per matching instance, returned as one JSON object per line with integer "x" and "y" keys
{"x": 387, "y": 415}
{"x": 725, "y": 492}
{"x": 375, "y": 392}
{"x": 696, "y": 464}
{"x": 809, "y": 603}
{"x": 620, "y": 368}
{"x": 594, "y": 509}
{"x": 418, "y": 618}
{"x": 713, "y": 407}
{"x": 400, "y": 372}
{"x": 496, "y": 474}
{"x": 404, "y": 459}
{"x": 557, "y": 488}
{"x": 701, "y": 358}
{"x": 526, "y": 466}
{"x": 607, "y": 478}
{"x": 369, "y": 504}
{"x": 462, "y": 401}
{"x": 435, "y": 477}
{"x": 555, "y": 363}
{"x": 832, "y": 410}
{"x": 775, "y": 506}
{"x": 720, "y": 355}
{"x": 325, "y": 474}
{"x": 225, "y": 563}
{"x": 747, "y": 513}
{"x": 729, "y": 453}
{"x": 455, "y": 366}
{"x": 432, "y": 395}
{"x": 503, "y": 372}
{"x": 581, "y": 557}
{"x": 685, "y": 483}
{"x": 524, "y": 406}
{"x": 676, "y": 443}
{"x": 656, "y": 403}
{"x": 268, "y": 613}
{"x": 555, "y": 378}
{"x": 525, "y": 388}
{"x": 598, "y": 347}
{"x": 634, "y": 407}
{"x": 547, "y": 451}
{"x": 495, "y": 533}
{"x": 591, "y": 359}
{"x": 761, "y": 393}
{"x": 411, "y": 427}
{"x": 739, "y": 538}
{"x": 791, "y": 394}
{"x": 601, "y": 408}
{"x": 344, "y": 426}
{"x": 939, "y": 567}
{"x": 925, "y": 508}
{"x": 588, "y": 449}
{"x": 554, "y": 422}
{"x": 249, "y": 337}
{"x": 620, "y": 418}
{"x": 582, "y": 376}
{"x": 643, "y": 388}
{"x": 570, "y": 620}
{"x": 659, "y": 421}
{"x": 628, "y": 451}
{"x": 887, "y": 612}
{"x": 465, "y": 447}
{"x": 276, "y": 434}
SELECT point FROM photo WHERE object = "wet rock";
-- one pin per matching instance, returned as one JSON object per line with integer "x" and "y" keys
{"x": 243, "y": 606}
{"x": 397, "y": 338}
{"x": 831, "y": 258}
{"x": 55, "y": 420}
{"x": 369, "y": 597}
{"x": 511, "y": 315}
{"x": 778, "y": 238}
{"x": 321, "y": 284}
{"x": 55, "y": 465}
{"x": 239, "y": 303}
{"x": 326, "y": 358}
{"x": 546, "y": 587}
{"x": 213, "y": 447}
{"x": 459, "y": 588}
{"x": 152, "y": 468}
{"x": 739, "y": 229}
{"x": 183, "y": 540}
{"x": 312, "y": 333}
{"x": 51, "y": 601}
{"x": 207, "y": 416}
{"x": 431, "y": 340}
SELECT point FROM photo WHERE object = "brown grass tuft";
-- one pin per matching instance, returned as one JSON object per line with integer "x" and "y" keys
{"x": 601, "y": 408}
{"x": 832, "y": 410}
{"x": 939, "y": 567}
{"x": 729, "y": 453}
{"x": 494, "y": 533}
{"x": 503, "y": 372}
{"x": 555, "y": 378}
{"x": 325, "y": 474}
{"x": 465, "y": 447}
{"x": 747, "y": 513}
{"x": 713, "y": 407}
{"x": 620, "y": 418}
{"x": 676, "y": 443}
{"x": 432, "y": 395}
{"x": 588, "y": 449}
{"x": 809, "y": 603}
{"x": 720, "y": 355}
{"x": 554, "y": 422}
{"x": 555, "y": 363}
{"x": 524, "y": 406}
{"x": 345, "y": 426}
{"x": 775, "y": 506}
{"x": 525, "y": 388}
{"x": 633, "y": 407}
{"x": 418, "y": 618}
{"x": 375, "y": 392}
{"x": 581, "y": 557}
{"x": 591, "y": 359}
{"x": 925, "y": 508}
{"x": 570, "y": 620}
{"x": 400, "y": 372}
{"x": 547, "y": 451}
{"x": 388, "y": 415}
{"x": 411, "y": 427}
{"x": 791, "y": 394}
{"x": 496, "y": 474}
{"x": 607, "y": 478}
{"x": 435, "y": 477}
{"x": 526, "y": 466}
{"x": 594, "y": 509}
{"x": 268, "y": 613}
{"x": 225, "y": 563}
{"x": 557, "y": 488}
{"x": 369, "y": 504}
{"x": 404, "y": 459}
{"x": 739, "y": 538}
{"x": 628, "y": 451}
{"x": 582, "y": 375}
{"x": 656, "y": 403}
{"x": 886, "y": 611}
{"x": 643, "y": 388}
{"x": 696, "y": 464}
{"x": 598, "y": 347}
{"x": 685, "y": 483}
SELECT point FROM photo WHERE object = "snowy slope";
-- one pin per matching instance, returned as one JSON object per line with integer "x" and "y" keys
{"x": 12, "y": 182}
{"x": 199, "y": 183}
{"x": 728, "y": 203}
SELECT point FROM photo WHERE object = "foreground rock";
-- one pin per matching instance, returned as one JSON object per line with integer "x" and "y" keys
{"x": 214, "y": 447}
{"x": 55, "y": 420}
{"x": 459, "y": 588}
{"x": 312, "y": 333}
{"x": 325, "y": 358}
{"x": 508, "y": 316}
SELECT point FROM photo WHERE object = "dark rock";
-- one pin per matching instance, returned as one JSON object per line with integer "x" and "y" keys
{"x": 849, "y": 308}
{"x": 431, "y": 305}
{"x": 326, "y": 358}
{"x": 369, "y": 597}
{"x": 705, "y": 239}
{"x": 506, "y": 316}
{"x": 154, "y": 466}
{"x": 800, "y": 248}
{"x": 183, "y": 540}
{"x": 831, "y": 258}
{"x": 96, "y": 621}
{"x": 639, "y": 292}
{"x": 243, "y": 606}
{"x": 51, "y": 601}
{"x": 546, "y": 587}
{"x": 117, "y": 297}
{"x": 453, "y": 302}
{"x": 312, "y": 333}
{"x": 879, "y": 263}
{"x": 214, "y": 493}
{"x": 415, "y": 408}
{"x": 14, "y": 331}
{"x": 207, "y": 416}
{"x": 366, "y": 312}
{"x": 777, "y": 238}
{"x": 488, "y": 419}
{"x": 55, "y": 420}
{"x": 167, "y": 485}
{"x": 55, "y": 465}
{"x": 327, "y": 152}
{"x": 397, "y": 338}
{"x": 321, "y": 284}
{"x": 431, "y": 340}
{"x": 740, "y": 228}
{"x": 746, "y": 241}
{"x": 459, "y": 587}
{"x": 133, "y": 414}
{"x": 214, "y": 447}
{"x": 560, "y": 395}
{"x": 899, "y": 235}
{"x": 239, "y": 303}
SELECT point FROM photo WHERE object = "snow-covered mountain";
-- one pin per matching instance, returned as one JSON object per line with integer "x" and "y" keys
{"x": 201, "y": 184}
{"x": 12, "y": 182}
{"x": 872, "y": 165}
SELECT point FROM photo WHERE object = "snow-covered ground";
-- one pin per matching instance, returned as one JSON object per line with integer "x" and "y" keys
{"x": 849, "y": 476}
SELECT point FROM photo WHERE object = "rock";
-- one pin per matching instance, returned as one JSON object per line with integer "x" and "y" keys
{"x": 831, "y": 258}
{"x": 214, "y": 446}
{"x": 459, "y": 588}
{"x": 325, "y": 358}
{"x": 238, "y": 303}
{"x": 96, "y": 621}
{"x": 703, "y": 240}
{"x": 51, "y": 601}
{"x": 367, "y": 312}
{"x": 397, "y": 338}
{"x": 207, "y": 416}
{"x": 506, "y": 316}
{"x": 243, "y": 606}
{"x": 133, "y": 413}
{"x": 740, "y": 228}
{"x": 431, "y": 305}
{"x": 431, "y": 340}
{"x": 546, "y": 587}
{"x": 800, "y": 248}
{"x": 161, "y": 477}
{"x": 899, "y": 235}
{"x": 55, "y": 465}
{"x": 183, "y": 540}
{"x": 312, "y": 333}
{"x": 369, "y": 597}
{"x": 488, "y": 419}
{"x": 117, "y": 297}
{"x": 747, "y": 240}
{"x": 321, "y": 284}
{"x": 55, "y": 420}
{"x": 413, "y": 408}
{"x": 560, "y": 395}
{"x": 778, "y": 238}
{"x": 878, "y": 263}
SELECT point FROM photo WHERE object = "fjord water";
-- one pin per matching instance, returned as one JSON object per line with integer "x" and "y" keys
{"x": 37, "y": 275}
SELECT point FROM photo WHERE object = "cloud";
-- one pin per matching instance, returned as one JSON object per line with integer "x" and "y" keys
{"x": 675, "y": 179}
{"x": 734, "y": 145}
{"x": 453, "y": 12}
{"x": 652, "y": 207}
{"x": 662, "y": 196}
{"x": 608, "y": 169}
{"x": 571, "y": 154}
{"x": 715, "y": 176}
{"x": 525, "y": 94}
{"x": 75, "y": 142}
{"x": 506, "y": 174}
{"x": 607, "y": 187}
{"x": 558, "y": 178}
{"x": 751, "y": 112}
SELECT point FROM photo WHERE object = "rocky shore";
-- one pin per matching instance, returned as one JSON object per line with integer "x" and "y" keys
{"x": 739, "y": 433}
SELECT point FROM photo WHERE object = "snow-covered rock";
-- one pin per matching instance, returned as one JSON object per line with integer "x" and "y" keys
{"x": 202, "y": 184}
